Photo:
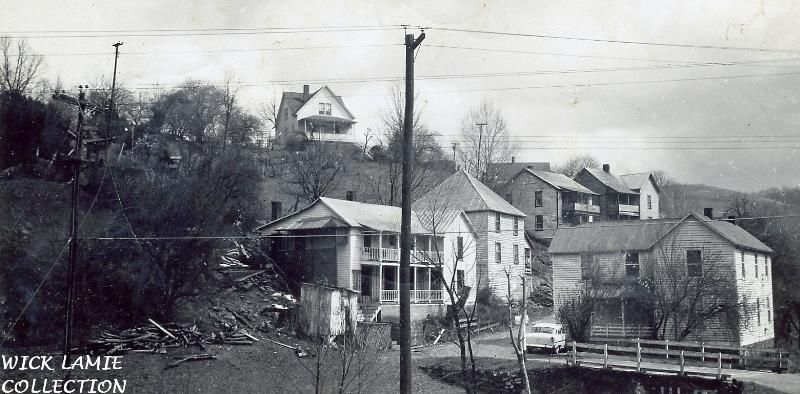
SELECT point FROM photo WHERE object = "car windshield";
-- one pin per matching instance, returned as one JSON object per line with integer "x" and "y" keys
{"x": 543, "y": 330}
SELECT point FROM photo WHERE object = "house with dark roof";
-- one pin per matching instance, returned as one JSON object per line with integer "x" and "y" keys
{"x": 500, "y": 236}
{"x": 645, "y": 184}
{"x": 617, "y": 201}
{"x": 550, "y": 200}
{"x": 714, "y": 260}
{"x": 320, "y": 116}
{"x": 356, "y": 245}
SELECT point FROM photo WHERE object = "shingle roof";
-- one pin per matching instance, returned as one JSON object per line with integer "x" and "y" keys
{"x": 462, "y": 191}
{"x": 637, "y": 181}
{"x": 610, "y": 180}
{"x": 299, "y": 97}
{"x": 641, "y": 235}
{"x": 348, "y": 214}
{"x": 610, "y": 236}
{"x": 506, "y": 171}
{"x": 440, "y": 221}
{"x": 560, "y": 181}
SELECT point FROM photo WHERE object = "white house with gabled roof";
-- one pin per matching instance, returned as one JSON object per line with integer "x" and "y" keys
{"x": 320, "y": 116}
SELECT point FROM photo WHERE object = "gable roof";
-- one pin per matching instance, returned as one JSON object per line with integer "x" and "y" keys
{"x": 641, "y": 235}
{"x": 506, "y": 171}
{"x": 462, "y": 191}
{"x": 338, "y": 98}
{"x": 347, "y": 214}
{"x": 637, "y": 181}
{"x": 558, "y": 181}
{"x": 439, "y": 222}
{"x": 609, "y": 180}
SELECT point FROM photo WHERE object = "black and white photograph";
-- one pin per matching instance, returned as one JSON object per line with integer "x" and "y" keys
{"x": 522, "y": 196}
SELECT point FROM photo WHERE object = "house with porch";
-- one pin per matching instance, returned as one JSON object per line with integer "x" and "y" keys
{"x": 550, "y": 200}
{"x": 356, "y": 245}
{"x": 645, "y": 184}
{"x": 716, "y": 277}
{"x": 320, "y": 116}
{"x": 616, "y": 200}
{"x": 500, "y": 241}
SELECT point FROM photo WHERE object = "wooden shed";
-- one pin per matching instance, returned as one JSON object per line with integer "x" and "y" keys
{"x": 328, "y": 311}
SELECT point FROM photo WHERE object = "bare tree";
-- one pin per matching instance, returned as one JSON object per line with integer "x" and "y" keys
{"x": 485, "y": 142}
{"x": 268, "y": 112}
{"x": 518, "y": 342}
{"x": 315, "y": 170}
{"x": 575, "y": 164}
{"x": 576, "y": 308}
{"x": 18, "y": 70}
{"x": 662, "y": 178}
{"x": 230, "y": 108}
{"x": 689, "y": 287}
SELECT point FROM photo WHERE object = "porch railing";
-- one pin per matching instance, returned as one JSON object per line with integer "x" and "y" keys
{"x": 629, "y": 209}
{"x": 621, "y": 331}
{"x": 417, "y": 296}
{"x": 381, "y": 254}
{"x": 425, "y": 256}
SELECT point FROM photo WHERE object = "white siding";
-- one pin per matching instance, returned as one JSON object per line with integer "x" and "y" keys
{"x": 311, "y": 107}
{"x": 460, "y": 228}
{"x": 753, "y": 289}
{"x": 490, "y": 273}
{"x": 648, "y": 189}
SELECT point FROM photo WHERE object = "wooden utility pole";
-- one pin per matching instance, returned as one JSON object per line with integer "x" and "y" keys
{"x": 110, "y": 113}
{"x": 405, "y": 226}
{"x": 76, "y": 162}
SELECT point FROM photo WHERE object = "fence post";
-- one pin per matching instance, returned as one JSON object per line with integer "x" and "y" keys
{"x": 667, "y": 341}
{"x": 574, "y": 354}
{"x": 605, "y": 355}
{"x": 780, "y": 359}
{"x": 607, "y": 334}
{"x": 638, "y": 357}
{"x": 719, "y": 366}
{"x": 682, "y": 362}
{"x": 703, "y": 353}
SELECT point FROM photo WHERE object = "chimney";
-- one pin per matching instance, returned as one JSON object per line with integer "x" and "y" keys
{"x": 351, "y": 195}
{"x": 305, "y": 93}
{"x": 276, "y": 210}
{"x": 731, "y": 219}
{"x": 512, "y": 159}
{"x": 607, "y": 168}
{"x": 708, "y": 212}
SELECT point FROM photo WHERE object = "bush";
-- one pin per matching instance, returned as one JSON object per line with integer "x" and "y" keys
{"x": 490, "y": 307}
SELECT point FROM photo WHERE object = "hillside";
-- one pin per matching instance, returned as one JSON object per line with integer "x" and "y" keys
{"x": 677, "y": 199}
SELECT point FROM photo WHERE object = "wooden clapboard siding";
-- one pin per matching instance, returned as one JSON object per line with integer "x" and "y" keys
{"x": 490, "y": 273}
{"x": 566, "y": 278}
{"x": 607, "y": 200}
{"x": 648, "y": 189}
{"x": 523, "y": 190}
{"x": 752, "y": 288}
{"x": 460, "y": 228}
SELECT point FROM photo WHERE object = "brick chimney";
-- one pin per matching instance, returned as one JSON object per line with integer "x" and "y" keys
{"x": 731, "y": 219}
{"x": 512, "y": 159}
{"x": 305, "y": 93}
{"x": 708, "y": 212}
{"x": 350, "y": 195}
{"x": 607, "y": 168}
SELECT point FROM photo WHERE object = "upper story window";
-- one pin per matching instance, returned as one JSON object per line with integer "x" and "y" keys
{"x": 498, "y": 257}
{"x": 632, "y": 264}
{"x": 497, "y": 221}
{"x": 758, "y": 311}
{"x": 587, "y": 266}
{"x": 769, "y": 311}
{"x": 460, "y": 247}
{"x": 527, "y": 257}
{"x": 324, "y": 108}
{"x": 538, "y": 224}
{"x": 516, "y": 225}
{"x": 755, "y": 256}
{"x": 459, "y": 279}
{"x": 694, "y": 262}
{"x": 649, "y": 202}
{"x": 766, "y": 265}
{"x": 537, "y": 198}
{"x": 516, "y": 254}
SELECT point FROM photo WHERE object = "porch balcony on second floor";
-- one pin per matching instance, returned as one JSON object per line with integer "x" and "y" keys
{"x": 582, "y": 207}
{"x": 385, "y": 247}
{"x": 629, "y": 210}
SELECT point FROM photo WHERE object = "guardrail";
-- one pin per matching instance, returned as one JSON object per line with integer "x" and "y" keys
{"x": 619, "y": 330}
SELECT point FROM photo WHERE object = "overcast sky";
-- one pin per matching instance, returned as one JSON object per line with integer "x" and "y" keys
{"x": 637, "y": 105}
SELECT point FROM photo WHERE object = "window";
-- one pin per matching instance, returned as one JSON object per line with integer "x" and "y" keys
{"x": 516, "y": 254}
{"x": 649, "y": 202}
{"x": 324, "y": 108}
{"x": 769, "y": 312}
{"x": 758, "y": 311}
{"x": 694, "y": 262}
{"x": 516, "y": 225}
{"x": 766, "y": 265}
{"x": 539, "y": 224}
{"x": 497, "y": 222}
{"x": 356, "y": 279}
{"x": 744, "y": 270}
{"x": 587, "y": 265}
{"x": 537, "y": 198}
{"x": 755, "y": 256}
{"x": 527, "y": 257}
{"x": 497, "y": 253}
{"x": 632, "y": 264}
{"x": 460, "y": 248}
{"x": 459, "y": 279}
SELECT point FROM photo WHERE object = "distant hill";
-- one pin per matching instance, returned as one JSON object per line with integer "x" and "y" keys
{"x": 677, "y": 199}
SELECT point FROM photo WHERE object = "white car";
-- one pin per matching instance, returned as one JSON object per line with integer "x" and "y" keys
{"x": 548, "y": 336}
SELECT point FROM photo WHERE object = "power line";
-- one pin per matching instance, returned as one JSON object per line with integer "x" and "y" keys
{"x": 195, "y": 32}
{"x": 602, "y": 40}
{"x": 218, "y": 50}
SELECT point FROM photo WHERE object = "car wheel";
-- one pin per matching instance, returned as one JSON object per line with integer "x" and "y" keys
{"x": 559, "y": 349}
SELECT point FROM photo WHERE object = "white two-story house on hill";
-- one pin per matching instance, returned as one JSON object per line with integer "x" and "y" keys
{"x": 645, "y": 184}
{"x": 691, "y": 279}
{"x": 320, "y": 116}
{"x": 356, "y": 245}
{"x": 500, "y": 241}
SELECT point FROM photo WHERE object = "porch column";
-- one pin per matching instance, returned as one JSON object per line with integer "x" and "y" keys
{"x": 414, "y": 285}
{"x": 380, "y": 283}
{"x": 380, "y": 246}
{"x": 430, "y": 273}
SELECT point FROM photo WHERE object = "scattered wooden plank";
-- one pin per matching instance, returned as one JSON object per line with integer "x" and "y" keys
{"x": 193, "y": 357}
{"x": 249, "y": 276}
{"x": 240, "y": 318}
{"x": 164, "y": 330}
{"x": 281, "y": 344}
{"x": 249, "y": 336}
{"x": 438, "y": 337}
